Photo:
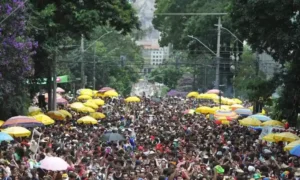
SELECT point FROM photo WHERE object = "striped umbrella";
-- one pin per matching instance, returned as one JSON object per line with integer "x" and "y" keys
{"x": 243, "y": 112}
{"x": 22, "y": 121}
{"x": 261, "y": 117}
{"x": 230, "y": 115}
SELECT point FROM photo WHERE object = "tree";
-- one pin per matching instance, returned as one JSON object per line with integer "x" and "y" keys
{"x": 15, "y": 61}
{"x": 169, "y": 76}
{"x": 273, "y": 27}
{"x": 54, "y": 23}
{"x": 247, "y": 75}
{"x": 110, "y": 69}
{"x": 175, "y": 30}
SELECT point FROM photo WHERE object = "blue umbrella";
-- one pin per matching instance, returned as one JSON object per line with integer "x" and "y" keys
{"x": 261, "y": 117}
{"x": 5, "y": 137}
{"x": 256, "y": 128}
{"x": 295, "y": 151}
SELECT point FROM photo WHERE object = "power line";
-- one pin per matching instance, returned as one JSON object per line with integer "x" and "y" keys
{"x": 190, "y": 14}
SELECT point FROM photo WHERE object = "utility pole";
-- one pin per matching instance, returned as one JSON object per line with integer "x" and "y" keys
{"x": 218, "y": 55}
{"x": 94, "y": 69}
{"x": 54, "y": 81}
{"x": 257, "y": 63}
{"x": 82, "y": 74}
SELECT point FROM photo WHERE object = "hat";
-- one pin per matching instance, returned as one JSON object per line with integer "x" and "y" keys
{"x": 219, "y": 153}
{"x": 251, "y": 168}
{"x": 64, "y": 176}
{"x": 219, "y": 169}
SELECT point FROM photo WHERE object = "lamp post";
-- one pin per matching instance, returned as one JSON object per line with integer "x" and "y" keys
{"x": 217, "y": 82}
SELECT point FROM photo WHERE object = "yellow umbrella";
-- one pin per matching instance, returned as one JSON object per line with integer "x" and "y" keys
{"x": 1, "y": 122}
{"x": 99, "y": 102}
{"x": 192, "y": 94}
{"x": 94, "y": 92}
{"x": 269, "y": 137}
{"x": 86, "y": 110}
{"x": 88, "y": 92}
{"x": 56, "y": 115}
{"x": 91, "y": 104}
{"x": 237, "y": 101}
{"x": 272, "y": 123}
{"x": 17, "y": 131}
{"x": 110, "y": 93}
{"x": 66, "y": 113}
{"x": 77, "y": 105}
{"x": 291, "y": 145}
{"x": 87, "y": 120}
{"x": 99, "y": 94}
{"x": 286, "y": 136}
{"x": 34, "y": 110}
{"x": 46, "y": 120}
{"x": 132, "y": 99}
{"x": 250, "y": 122}
{"x": 97, "y": 115}
{"x": 204, "y": 110}
{"x": 207, "y": 96}
{"x": 84, "y": 97}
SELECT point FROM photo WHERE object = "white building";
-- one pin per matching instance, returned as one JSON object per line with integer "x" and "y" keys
{"x": 159, "y": 55}
{"x": 153, "y": 54}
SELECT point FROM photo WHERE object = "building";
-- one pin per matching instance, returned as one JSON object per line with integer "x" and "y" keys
{"x": 153, "y": 54}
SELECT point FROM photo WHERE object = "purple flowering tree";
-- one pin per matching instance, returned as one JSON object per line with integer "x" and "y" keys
{"x": 15, "y": 50}
{"x": 15, "y": 46}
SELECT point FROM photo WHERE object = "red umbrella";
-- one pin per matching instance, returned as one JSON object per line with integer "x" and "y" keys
{"x": 102, "y": 90}
{"x": 22, "y": 121}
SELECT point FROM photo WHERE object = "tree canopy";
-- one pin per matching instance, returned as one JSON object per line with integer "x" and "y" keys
{"x": 15, "y": 61}
{"x": 51, "y": 24}
{"x": 176, "y": 29}
{"x": 273, "y": 27}
{"x": 56, "y": 22}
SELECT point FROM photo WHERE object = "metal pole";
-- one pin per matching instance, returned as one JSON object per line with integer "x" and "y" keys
{"x": 94, "y": 69}
{"x": 218, "y": 55}
{"x": 54, "y": 82}
{"x": 82, "y": 74}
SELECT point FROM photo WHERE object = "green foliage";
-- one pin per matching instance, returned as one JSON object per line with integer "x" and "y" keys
{"x": 14, "y": 106}
{"x": 273, "y": 27}
{"x": 175, "y": 30}
{"x": 269, "y": 26}
{"x": 54, "y": 22}
{"x": 247, "y": 76}
{"x": 168, "y": 76}
{"x": 107, "y": 52}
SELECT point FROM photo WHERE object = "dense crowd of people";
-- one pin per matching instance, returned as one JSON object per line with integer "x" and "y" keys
{"x": 161, "y": 143}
